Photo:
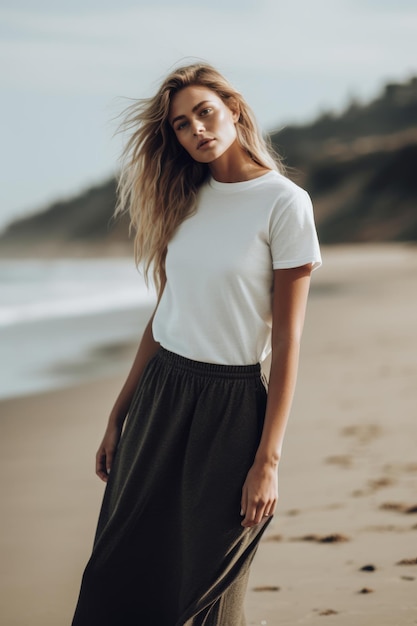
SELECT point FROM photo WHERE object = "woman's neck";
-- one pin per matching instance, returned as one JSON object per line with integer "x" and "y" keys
{"x": 235, "y": 166}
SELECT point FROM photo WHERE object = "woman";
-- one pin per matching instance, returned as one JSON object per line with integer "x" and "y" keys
{"x": 193, "y": 483}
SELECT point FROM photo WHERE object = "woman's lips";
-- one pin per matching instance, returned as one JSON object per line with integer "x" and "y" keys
{"x": 204, "y": 143}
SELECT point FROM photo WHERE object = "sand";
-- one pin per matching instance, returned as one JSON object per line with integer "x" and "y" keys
{"x": 348, "y": 477}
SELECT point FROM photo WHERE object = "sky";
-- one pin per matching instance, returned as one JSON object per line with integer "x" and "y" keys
{"x": 68, "y": 68}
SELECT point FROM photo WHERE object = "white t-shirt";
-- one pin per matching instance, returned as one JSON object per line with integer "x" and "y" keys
{"x": 217, "y": 303}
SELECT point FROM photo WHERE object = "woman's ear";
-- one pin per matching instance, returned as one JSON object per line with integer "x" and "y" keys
{"x": 233, "y": 105}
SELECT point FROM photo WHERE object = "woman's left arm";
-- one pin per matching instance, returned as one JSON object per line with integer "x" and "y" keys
{"x": 260, "y": 490}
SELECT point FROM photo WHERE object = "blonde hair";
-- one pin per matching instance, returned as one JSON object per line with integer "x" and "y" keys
{"x": 159, "y": 180}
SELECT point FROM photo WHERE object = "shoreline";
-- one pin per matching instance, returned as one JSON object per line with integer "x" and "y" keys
{"x": 88, "y": 367}
{"x": 68, "y": 320}
{"x": 347, "y": 477}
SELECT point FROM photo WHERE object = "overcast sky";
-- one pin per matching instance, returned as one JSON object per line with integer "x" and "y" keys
{"x": 66, "y": 65}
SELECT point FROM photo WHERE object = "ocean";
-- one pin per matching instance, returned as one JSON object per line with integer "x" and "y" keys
{"x": 63, "y": 321}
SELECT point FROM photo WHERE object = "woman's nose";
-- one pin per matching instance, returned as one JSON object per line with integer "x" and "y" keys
{"x": 198, "y": 127}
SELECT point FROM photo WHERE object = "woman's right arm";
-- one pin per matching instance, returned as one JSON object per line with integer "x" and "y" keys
{"x": 105, "y": 454}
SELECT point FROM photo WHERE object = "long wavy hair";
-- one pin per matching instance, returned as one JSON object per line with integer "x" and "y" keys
{"x": 159, "y": 180}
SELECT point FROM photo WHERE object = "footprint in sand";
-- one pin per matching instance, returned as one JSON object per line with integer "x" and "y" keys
{"x": 333, "y": 538}
{"x": 380, "y": 483}
{"x": 400, "y": 468}
{"x": 342, "y": 460}
{"x": 367, "y": 568}
{"x": 375, "y": 484}
{"x": 366, "y": 590}
{"x": 328, "y": 612}
{"x": 407, "y": 562}
{"x": 293, "y": 512}
{"x": 333, "y": 506}
{"x": 400, "y": 507}
{"x": 273, "y": 538}
{"x": 358, "y": 493}
{"x": 363, "y": 433}
{"x": 386, "y": 528}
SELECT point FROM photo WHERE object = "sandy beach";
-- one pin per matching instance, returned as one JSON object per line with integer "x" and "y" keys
{"x": 342, "y": 548}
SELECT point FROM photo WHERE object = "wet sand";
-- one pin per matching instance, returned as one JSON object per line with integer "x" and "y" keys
{"x": 348, "y": 477}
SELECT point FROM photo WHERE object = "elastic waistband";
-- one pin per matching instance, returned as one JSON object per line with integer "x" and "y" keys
{"x": 209, "y": 369}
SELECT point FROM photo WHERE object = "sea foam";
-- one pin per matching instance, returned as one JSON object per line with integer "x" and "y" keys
{"x": 34, "y": 290}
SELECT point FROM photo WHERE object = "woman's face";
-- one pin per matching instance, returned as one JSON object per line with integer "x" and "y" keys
{"x": 203, "y": 124}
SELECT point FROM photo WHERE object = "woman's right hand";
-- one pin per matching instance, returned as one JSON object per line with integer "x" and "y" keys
{"x": 107, "y": 450}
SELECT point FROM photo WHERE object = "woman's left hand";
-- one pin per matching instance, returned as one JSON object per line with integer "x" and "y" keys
{"x": 259, "y": 494}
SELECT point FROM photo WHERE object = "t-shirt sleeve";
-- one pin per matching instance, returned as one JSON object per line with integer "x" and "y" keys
{"x": 292, "y": 233}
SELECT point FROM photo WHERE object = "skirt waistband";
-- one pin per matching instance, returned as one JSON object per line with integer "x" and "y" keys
{"x": 209, "y": 369}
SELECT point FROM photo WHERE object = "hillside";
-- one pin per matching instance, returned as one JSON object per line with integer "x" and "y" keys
{"x": 359, "y": 167}
{"x": 85, "y": 217}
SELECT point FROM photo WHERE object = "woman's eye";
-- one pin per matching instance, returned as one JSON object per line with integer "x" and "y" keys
{"x": 205, "y": 111}
{"x": 181, "y": 125}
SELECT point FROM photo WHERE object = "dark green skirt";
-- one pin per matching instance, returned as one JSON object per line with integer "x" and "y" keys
{"x": 170, "y": 549}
